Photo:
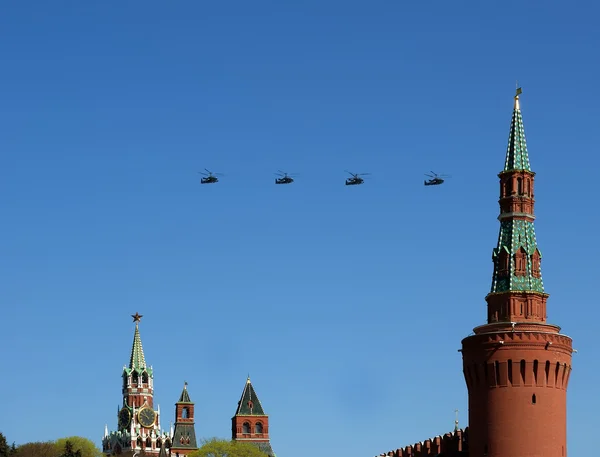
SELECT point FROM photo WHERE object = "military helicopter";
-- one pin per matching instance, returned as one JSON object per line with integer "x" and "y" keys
{"x": 210, "y": 177}
{"x": 435, "y": 180}
{"x": 285, "y": 178}
{"x": 355, "y": 179}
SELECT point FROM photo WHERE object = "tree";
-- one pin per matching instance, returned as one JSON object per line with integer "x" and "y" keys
{"x": 69, "y": 452}
{"x": 38, "y": 449}
{"x": 216, "y": 447}
{"x": 4, "y": 447}
{"x": 85, "y": 447}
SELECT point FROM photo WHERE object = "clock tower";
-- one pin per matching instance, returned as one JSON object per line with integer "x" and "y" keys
{"x": 138, "y": 423}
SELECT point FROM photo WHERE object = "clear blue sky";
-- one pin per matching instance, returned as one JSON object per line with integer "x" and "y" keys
{"x": 345, "y": 304}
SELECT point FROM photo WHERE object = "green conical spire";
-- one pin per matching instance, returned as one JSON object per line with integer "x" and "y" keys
{"x": 185, "y": 396}
{"x": 249, "y": 404}
{"x": 137, "y": 360}
{"x": 517, "y": 157}
{"x": 517, "y": 256}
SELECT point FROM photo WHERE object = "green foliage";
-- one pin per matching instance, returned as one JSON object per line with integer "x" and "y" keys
{"x": 78, "y": 444}
{"x": 37, "y": 449}
{"x": 4, "y": 447}
{"x": 69, "y": 450}
{"x": 216, "y": 447}
{"x": 73, "y": 446}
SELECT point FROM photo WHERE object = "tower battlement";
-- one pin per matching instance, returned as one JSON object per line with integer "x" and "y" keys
{"x": 451, "y": 444}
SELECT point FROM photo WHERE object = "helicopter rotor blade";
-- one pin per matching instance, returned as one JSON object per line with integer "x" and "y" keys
{"x": 427, "y": 174}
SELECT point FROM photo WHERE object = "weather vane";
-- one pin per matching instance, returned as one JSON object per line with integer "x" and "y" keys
{"x": 456, "y": 420}
{"x": 519, "y": 90}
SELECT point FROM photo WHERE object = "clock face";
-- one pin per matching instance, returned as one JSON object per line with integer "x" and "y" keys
{"x": 146, "y": 417}
{"x": 124, "y": 418}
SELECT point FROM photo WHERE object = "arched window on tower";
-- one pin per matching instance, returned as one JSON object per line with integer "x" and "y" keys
{"x": 185, "y": 412}
{"x": 145, "y": 378}
{"x": 519, "y": 186}
{"x": 521, "y": 262}
{"x": 139, "y": 442}
{"x": 508, "y": 187}
{"x": 246, "y": 428}
{"x": 258, "y": 428}
{"x": 148, "y": 443}
{"x": 134, "y": 378}
{"x": 536, "y": 260}
{"x": 159, "y": 443}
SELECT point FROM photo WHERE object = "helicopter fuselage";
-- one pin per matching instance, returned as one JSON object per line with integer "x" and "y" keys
{"x": 434, "y": 182}
{"x": 354, "y": 181}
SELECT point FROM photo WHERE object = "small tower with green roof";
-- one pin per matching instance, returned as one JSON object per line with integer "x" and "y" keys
{"x": 250, "y": 423}
{"x": 184, "y": 434}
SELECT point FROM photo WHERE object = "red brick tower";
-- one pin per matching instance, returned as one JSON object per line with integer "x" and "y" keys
{"x": 184, "y": 436}
{"x": 517, "y": 366}
{"x": 250, "y": 423}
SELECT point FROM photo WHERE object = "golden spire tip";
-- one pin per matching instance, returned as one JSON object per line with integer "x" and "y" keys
{"x": 519, "y": 92}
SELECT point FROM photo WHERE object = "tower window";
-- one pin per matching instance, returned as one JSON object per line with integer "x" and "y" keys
{"x": 246, "y": 428}
{"x": 497, "y": 372}
{"x": 519, "y": 186}
{"x": 533, "y": 399}
{"x": 145, "y": 378}
{"x": 503, "y": 263}
{"x": 508, "y": 187}
{"x": 535, "y": 264}
{"x": 148, "y": 442}
{"x": 258, "y": 428}
{"x": 185, "y": 412}
{"x": 521, "y": 263}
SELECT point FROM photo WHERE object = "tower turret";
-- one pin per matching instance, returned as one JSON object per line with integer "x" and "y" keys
{"x": 184, "y": 435}
{"x": 250, "y": 423}
{"x": 517, "y": 366}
